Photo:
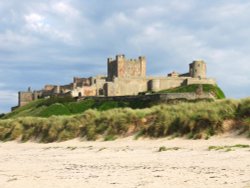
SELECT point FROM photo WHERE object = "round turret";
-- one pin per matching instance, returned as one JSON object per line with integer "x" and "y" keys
{"x": 198, "y": 69}
{"x": 155, "y": 85}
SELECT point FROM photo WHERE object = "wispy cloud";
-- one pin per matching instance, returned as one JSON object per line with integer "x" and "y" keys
{"x": 51, "y": 41}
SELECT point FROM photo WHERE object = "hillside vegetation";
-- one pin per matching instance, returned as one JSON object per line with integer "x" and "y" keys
{"x": 69, "y": 106}
{"x": 214, "y": 89}
{"x": 191, "y": 120}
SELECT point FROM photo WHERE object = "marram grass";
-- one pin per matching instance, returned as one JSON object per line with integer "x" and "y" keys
{"x": 191, "y": 120}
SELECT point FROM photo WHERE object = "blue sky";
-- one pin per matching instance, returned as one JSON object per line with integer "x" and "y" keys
{"x": 50, "y": 41}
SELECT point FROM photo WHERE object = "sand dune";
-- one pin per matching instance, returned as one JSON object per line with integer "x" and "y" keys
{"x": 125, "y": 163}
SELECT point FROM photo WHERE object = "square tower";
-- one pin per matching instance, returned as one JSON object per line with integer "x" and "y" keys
{"x": 121, "y": 67}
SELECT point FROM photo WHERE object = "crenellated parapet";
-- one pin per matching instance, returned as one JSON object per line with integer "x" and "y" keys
{"x": 121, "y": 67}
{"x": 125, "y": 77}
{"x": 198, "y": 69}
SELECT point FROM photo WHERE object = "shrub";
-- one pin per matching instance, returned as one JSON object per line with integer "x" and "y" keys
{"x": 110, "y": 137}
{"x": 243, "y": 110}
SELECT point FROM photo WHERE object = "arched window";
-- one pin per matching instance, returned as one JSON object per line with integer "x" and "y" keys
{"x": 101, "y": 92}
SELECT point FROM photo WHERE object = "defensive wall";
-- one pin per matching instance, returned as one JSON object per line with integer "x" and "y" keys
{"x": 124, "y": 77}
{"x": 158, "y": 97}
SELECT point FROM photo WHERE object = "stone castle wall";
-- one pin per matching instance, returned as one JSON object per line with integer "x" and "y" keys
{"x": 200, "y": 81}
{"x": 125, "y": 77}
{"x": 198, "y": 69}
{"x": 126, "y": 86}
{"x": 121, "y": 67}
{"x": 24, "y": 98}
{"x": 162, "y": 83}
{"x": 161, "y": 98}
{"x": 27, "y": 96}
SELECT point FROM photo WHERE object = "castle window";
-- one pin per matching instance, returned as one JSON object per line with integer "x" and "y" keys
{"x": 101, "y": 92}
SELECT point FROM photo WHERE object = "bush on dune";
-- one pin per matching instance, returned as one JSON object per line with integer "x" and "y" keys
{"x": 189, "y": 118}
{"x": 243, "y": 110}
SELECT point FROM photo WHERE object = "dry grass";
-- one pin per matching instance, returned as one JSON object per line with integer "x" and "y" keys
{"x": 228, "y": 148}
{"x": 193, "y": 120}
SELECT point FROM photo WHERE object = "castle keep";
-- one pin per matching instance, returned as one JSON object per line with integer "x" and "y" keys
{"x": 124, "y": 77}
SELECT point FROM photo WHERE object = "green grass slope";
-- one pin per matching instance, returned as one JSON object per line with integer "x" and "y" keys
{"x": 69, "y": 106}
{"x": 191, "y": 120}
{"x": 214, "y": 89}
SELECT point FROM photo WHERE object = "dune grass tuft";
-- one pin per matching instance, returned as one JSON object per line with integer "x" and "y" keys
{"x": 163, "y": 148}
{"x": 199, "y": 120}
{"x": 228, "y": 148}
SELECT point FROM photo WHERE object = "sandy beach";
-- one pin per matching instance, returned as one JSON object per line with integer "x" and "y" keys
{"x": 125, "y": 163}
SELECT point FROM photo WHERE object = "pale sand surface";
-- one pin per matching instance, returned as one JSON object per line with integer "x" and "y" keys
{"x": 125, "y": 163}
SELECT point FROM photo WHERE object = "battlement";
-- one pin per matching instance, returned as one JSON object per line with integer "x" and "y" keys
{"x": 197, "y": 69}
{"x": 126, "y": 77}
{"x": 25, "y": 97}
{"x": 121, "y": 67}
{"x": 120, "y": 57}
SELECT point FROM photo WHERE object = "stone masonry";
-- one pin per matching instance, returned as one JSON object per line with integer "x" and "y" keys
{"x": 125, "y": 77}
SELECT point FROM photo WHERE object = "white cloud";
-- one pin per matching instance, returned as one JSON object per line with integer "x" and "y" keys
{"x": 65, "y": 9}
{"x": 38, "y": 23}
{"x": 34, "y": 19}
{"x": 75, "y": 37}
{"x": 232, "y": 10}
{"x": 11, "y": 40}
{"x": 145, "y": 12}
{"x": 117, "y": 20}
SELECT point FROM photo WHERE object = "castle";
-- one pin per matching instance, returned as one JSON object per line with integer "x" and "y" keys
{"x": 125, "y": 77}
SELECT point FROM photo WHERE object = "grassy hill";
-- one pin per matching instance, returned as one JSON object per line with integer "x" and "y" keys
{"x": 191, "y": 120}
{"x": 69, "y": 106}
{"x": 214, "y": 89}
